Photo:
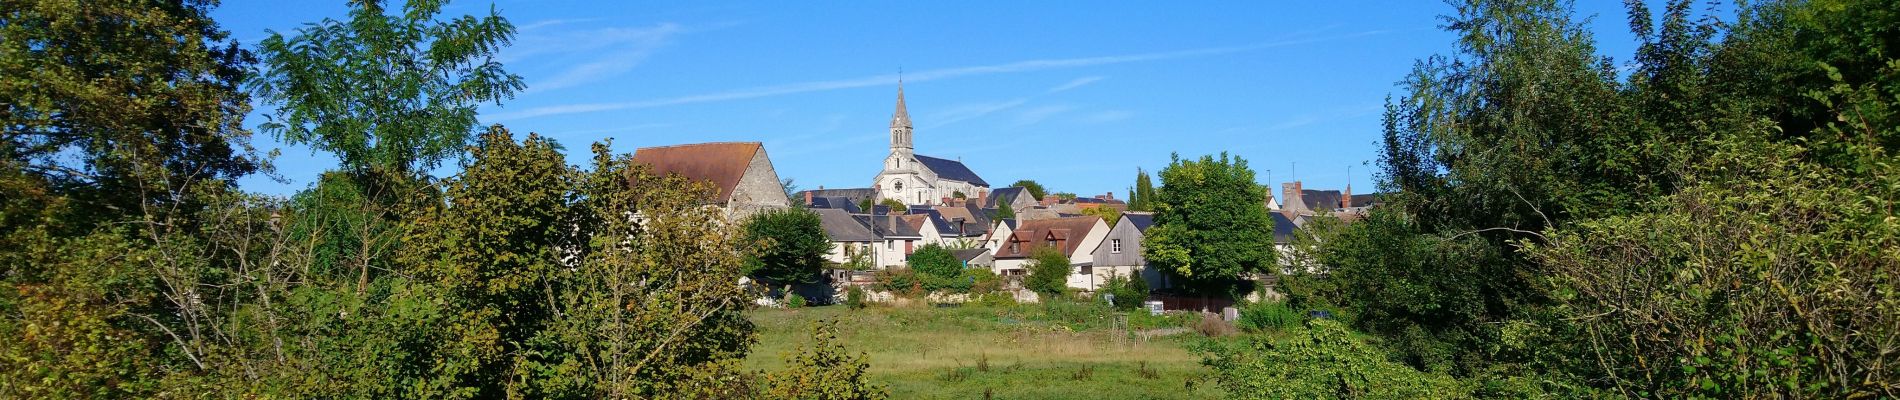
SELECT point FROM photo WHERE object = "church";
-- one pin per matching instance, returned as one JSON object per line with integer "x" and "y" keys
{"x": 919, "y": 179}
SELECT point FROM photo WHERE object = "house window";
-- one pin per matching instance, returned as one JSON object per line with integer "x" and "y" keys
{"x": 1115, "y": 246}
{"x": 1085, "y": 270}
{"x": 1015, "y": 248}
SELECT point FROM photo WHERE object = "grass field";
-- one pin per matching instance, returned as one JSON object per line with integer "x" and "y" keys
{"x": 1028, "y": 351}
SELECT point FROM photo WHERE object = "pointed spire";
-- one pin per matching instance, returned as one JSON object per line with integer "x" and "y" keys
{"x": 900, "y": 119}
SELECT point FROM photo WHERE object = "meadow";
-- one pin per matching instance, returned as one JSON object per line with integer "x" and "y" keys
{"x": 1033, "y": 351}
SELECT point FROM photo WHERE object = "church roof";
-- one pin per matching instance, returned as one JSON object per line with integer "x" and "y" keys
{"x": 901, "y": 118}
{"x": 722, "y": 163}
{"x": 952, "y": 170}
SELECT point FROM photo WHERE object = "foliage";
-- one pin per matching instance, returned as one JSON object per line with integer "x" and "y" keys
{"x": 1064, "y": 196}
{"x": 1005, "y": 211}
{"x": 1269, "y": 316}
{"x": 786, "y": 246}
{"x": 1321, "y": 361}
{"x": 1035, "y": 189}
{"x": 854, "y": 298}
{"x": 1107, "y": 214}
{"x": 385, "y": 91}
{"x": 1048, "y": 271}
{"x": 935, "y": 261}
{"x": 897, "y": 207}
{"x": 1209, "y": 227}
{"x": 793, "y": 299}
{"x": 825, "y": 370}
{"x": 1141, "y": 196}
{"x": 122, "y": 106}
{"x": 1129, "y": 291}
{"x": 904, "y": 281}
{"x": 1211, "y": 325}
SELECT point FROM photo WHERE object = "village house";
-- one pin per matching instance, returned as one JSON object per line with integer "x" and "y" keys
{"x": 739, "y": 171}
{"x": 852, "y": 240}
{"x": 1120, "y": 252}
{"x": 1075, "y": 237}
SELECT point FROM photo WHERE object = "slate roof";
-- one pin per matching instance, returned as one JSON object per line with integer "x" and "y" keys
{"x": 1004, "y": 195}
{"x": 839, "y": 203}
{"x": 854, "y": 194}
{"x": 969, "y": 254}
{"x": 1282, "y": 228}
{"x": 892, "y": 226}
{"x": 1364, "y": 200}
{"x": 1035, "y": 233}
{"x": 1320, "y": 200}
{"x": 722, "y": 163}
{"x": 975, "y": 226}
{"x": 952, "y": 170}
{"x": 1141, "y": 220}
{"x": 841, "y": 226}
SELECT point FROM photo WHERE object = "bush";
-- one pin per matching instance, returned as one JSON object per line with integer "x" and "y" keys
{"x": 854, "y": 298}
{"x": 824, "y": 370}
{"x": 995, "y": 299}
{"x": 1048, "y": 272}
{"x": 1212, "y": 326}
{"x": 1321, "y": 361}
{"x": 793, "y": 299}
{"x": 1129, "y": 291}
{"x": 901, "y": 281}
{"x": 1269, "y": 316}
{"x": 936, "y": 261}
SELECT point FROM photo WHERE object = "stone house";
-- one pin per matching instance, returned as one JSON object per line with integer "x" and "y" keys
{"x": 740, "y": 172}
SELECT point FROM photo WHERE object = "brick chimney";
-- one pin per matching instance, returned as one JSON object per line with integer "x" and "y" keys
{"x": 1345, "y": 198}
{"x": 1050, "y": 200}
{"x": 808, "y": 197}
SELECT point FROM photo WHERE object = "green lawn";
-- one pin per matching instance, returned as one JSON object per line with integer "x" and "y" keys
{"x": 1021, "y": 352}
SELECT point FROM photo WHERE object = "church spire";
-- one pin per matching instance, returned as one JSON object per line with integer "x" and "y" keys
{"x": 902, "y": 117}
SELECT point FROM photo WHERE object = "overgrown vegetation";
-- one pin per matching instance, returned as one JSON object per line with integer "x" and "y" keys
{"x": 1717, "y": 221}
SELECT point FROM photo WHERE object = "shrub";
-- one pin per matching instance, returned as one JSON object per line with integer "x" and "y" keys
{"x": 935, "y": 260}
{"x": 1212, "y": 326}
{"x": 900, "y": 281}
{"x": 1269, "y": 316}
{"x": 1129, "y": 291}
{"x": 824, "y": 370}
{"x": 854, "y": 298}
{"x": 1321, "y": 361}
{"x": 793, "y": 299}
{"x": 1048, "y": 271}
{"x": 995, "y": 299}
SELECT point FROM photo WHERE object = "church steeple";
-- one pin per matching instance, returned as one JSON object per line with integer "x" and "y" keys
{"x": 901, "y": 118}
{"x": 900, "y": 123}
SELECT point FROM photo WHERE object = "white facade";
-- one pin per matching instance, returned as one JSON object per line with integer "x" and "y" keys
{"x": 909, "y": 180}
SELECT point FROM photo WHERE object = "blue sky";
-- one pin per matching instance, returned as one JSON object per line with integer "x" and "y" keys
{"x": 1074, "y": 95}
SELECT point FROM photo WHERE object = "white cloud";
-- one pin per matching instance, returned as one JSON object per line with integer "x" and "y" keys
{"x": 1039, "y": 114}
{"x": 615, "y": 51}
{"x": 960, "y": 112}
{"x": 886, "y": 79}
{"x": 1078, "y": 82}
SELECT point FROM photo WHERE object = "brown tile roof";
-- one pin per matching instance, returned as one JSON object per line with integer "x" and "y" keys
{"x": 1034, "y": 233}
{"x": 722, "y": 163}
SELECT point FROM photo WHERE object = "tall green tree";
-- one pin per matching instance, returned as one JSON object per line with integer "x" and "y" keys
{"x": 1035, "y": 189}
{"x": 1141, "y": 196}
{"x": 124, "y": 106}
{"x": 1209, "y": 225}
{"x": 791, "y": 246}
{"x": 1048, "y": 271}
{"x": 935, "y": 260}
{"x": 393, "y": 91}
{"x": 1004, "y": 211}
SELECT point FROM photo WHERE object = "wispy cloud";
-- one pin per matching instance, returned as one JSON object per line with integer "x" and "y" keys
{"x": 921, "y": 76}
{"x": 1103, "y": 117}
{"x": 960, "y": 112}
{"x": 614, "y": 50}
{"x": 551, "y": 22}
{"x": 1078, "y": 82}
{"x": 1039, "y": 114}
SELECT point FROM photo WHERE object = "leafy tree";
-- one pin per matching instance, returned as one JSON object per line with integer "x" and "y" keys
{"x": 936, "y": 261}
{"x": 1035, "y": 189}
{"x": 791, "y": 246}
{"x": 390, "y": 92}
{"x": 865, "y": 204}
{"x": 1004, "y": 211}
{"x": 127, "y": 107}
{"x": 1129, "y": 291}
{"x": 1209, "y": 226}
{"x": 824, "y": 370}
{"x": 1048, "y": 271}
{"x": 1141, "y": 196}
{"x": 897, "y": 207}
{"x": 1107, "y": 214}
{"x": 1064, "y": 196}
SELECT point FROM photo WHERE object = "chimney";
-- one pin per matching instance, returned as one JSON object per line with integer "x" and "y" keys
{"x": 1293, "y": 201}
{"x": 808, "y": 196}
{"x": 1345, "y": 199}
{"x": 1108, "y": 196}
{"x": 1050, "y": 199}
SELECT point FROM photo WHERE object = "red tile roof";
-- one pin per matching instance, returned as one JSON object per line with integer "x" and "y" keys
{"x": 722, "y": 163}
{"x": 1069, "y": 231}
